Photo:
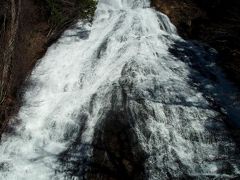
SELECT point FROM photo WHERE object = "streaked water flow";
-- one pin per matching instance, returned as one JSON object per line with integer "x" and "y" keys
{"x": 131, "y": 54}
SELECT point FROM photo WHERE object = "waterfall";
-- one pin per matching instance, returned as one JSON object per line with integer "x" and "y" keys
{"x": 124, "y": 98}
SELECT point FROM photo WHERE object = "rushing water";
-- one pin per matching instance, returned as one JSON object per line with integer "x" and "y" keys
{"x": 131, "y": 62}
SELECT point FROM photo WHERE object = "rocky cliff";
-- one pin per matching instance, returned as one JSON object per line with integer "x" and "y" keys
{"x": 216, "y": 23}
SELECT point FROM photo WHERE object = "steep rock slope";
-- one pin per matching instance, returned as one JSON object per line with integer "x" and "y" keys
{"x": 215, "y": 22}
{"x": 125, "y": 98}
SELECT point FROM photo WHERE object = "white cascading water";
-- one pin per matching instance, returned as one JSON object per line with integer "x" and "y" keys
{"x": 127, "y": 45}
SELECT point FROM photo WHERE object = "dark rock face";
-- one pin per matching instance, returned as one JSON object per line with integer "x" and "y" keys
{"x": 117, "y": 153}
{"x": 213, "y": 22}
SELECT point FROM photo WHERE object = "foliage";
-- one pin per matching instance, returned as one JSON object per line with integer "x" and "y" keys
{"x": 87, "y": 8}
{"x": 62, "y": 11}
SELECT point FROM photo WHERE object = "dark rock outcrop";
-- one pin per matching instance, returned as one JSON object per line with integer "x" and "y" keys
{"x": 213, "y": 22}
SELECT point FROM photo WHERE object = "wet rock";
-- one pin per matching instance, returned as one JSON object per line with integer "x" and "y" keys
{"x": 213, "y": 22}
